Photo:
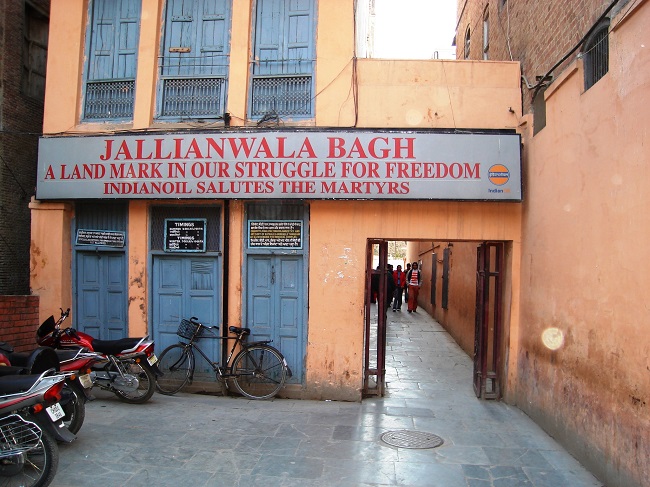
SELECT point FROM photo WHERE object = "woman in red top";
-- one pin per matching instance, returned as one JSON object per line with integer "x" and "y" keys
{"x": 413, "y": 281}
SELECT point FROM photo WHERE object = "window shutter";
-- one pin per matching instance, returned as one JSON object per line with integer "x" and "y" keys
{"x": 111, "y": 51}
{"x": 114, "y": 35}
{"x": 269, "y": 32}
{"x": 284, "y": 37}
{"x": 194, "y": 63}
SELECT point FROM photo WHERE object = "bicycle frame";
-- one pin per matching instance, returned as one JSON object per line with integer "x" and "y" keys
{"x": 220, "y": 370}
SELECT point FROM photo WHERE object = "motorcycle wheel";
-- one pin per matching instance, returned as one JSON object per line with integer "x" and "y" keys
{"x": 34, "y": 468}
{"x": 74, "y": 408}
{"x": 146, "y": 386}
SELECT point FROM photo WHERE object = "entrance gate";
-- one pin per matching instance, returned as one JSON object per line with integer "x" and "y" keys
{"x": 487, "y": 335}
{"x": 374, "y": 362}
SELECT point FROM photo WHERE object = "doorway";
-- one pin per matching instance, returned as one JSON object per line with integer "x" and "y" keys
{"x": 463, "y": 289}
{"x": 275, "y": 278}
{"x": 100, "y": 273}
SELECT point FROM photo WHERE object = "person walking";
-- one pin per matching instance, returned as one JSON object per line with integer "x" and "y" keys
{"x": 406, "y": 288}
{"x": 400, "y": 282}
{"x": 390, "y": 286}
{"x": 413, "y": 281}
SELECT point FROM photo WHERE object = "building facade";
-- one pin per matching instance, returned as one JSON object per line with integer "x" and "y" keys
{"x": 583, "y": 354}
{"x": 23, "y": 56}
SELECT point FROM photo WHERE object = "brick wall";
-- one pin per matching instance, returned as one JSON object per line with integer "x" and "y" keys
{"x": 19, "y": 321}
{"x": 539, "y": 33}
{"x": 21, "y": 121}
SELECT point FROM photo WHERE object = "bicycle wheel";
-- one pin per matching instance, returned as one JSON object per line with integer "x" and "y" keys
{"x": 259, "y": 371}
{"x": 177, "y": 364}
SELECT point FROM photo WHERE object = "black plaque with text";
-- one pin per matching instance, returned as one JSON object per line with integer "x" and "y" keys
{"x": 185, "y": 235}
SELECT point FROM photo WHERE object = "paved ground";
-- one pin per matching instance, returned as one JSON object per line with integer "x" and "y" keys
{"x": 198, "y": 440}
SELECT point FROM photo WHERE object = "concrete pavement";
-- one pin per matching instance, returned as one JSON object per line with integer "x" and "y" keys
{"x": 199, "y": 440}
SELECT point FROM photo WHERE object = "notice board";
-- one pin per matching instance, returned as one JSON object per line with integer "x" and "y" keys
{"x": 185, "y": 235}
{"x": 275, "y": 234}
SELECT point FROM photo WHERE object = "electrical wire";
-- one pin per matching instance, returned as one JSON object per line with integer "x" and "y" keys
{"x": 541, "y": 83}
{"x": 14, "y": 176}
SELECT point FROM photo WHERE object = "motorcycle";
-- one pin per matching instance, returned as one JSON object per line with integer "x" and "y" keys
{"x": 30, "y": 426}
{"x": 127, "y": 367}
{"x": 76, "y": 391}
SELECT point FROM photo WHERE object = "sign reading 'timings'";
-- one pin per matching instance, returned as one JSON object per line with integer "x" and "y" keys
{"x": 185, "y": 235}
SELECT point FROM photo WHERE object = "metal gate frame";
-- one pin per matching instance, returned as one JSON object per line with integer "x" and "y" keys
{"x": 489, "y": 319}
{"x": 379, "y": 372}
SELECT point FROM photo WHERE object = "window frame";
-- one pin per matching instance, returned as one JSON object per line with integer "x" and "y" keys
{"x": 124, "y": 85}
{"x": 595, "y": 52}
{"x": 287, "y": 71}
{"x": 468, "y": 42}
{"x": 486, "y": 34}
{"x": 201, "y": 77}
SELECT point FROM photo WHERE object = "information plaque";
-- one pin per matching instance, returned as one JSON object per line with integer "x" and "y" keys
{"x": 105, "y": 238}
{"x": 185, "y": 235}
{"x": 275, "y": 234}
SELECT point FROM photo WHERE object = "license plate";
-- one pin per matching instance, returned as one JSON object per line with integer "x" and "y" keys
{"x": 86, "y": 381}
{"x": 55, "y": 412}
{"x": 152, "y": 359}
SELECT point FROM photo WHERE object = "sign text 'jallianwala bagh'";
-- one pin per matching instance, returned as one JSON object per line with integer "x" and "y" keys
{"x": 304, "y": 164}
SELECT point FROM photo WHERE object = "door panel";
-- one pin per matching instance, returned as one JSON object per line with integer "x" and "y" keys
{"x": 185, "y": 287}
{"x": 275, "y": 305}
{"x": 101, "y": 294}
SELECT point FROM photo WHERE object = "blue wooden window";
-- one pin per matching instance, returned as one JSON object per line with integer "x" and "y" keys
{"x": 194, "y": 59}
{"x": 111, "y": 49}
{"x": 283, "y": 64}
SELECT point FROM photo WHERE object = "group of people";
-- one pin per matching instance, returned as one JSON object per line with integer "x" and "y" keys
{"x": 400, "y": 284}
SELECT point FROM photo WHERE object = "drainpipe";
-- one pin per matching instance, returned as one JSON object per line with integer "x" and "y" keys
{"x": 226, "y": 274}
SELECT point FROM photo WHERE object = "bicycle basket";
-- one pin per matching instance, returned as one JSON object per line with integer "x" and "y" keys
{"x": 188, "y": 329}
{"x": 17, "y": 435}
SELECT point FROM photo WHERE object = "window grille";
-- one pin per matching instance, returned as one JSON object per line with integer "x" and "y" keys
{"x": 289, "y": 95}
{"x": 467, "y": 43}
{"x": 198, "y": 97}
{"x": 596, "y": 55}
{"x": 111, "y": 99}
{"x": 34, "y": 53}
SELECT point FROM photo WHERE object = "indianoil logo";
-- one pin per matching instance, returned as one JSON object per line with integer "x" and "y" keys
{"x": 498, "y": 174}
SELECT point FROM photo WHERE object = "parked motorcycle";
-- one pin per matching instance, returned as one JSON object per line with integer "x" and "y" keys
{"x": 128, "y": 366}
{"x": 30, "y": 426}
{"x": 76, "y": 391}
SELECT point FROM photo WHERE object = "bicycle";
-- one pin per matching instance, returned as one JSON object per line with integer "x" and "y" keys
{"x": 258, "y": 370}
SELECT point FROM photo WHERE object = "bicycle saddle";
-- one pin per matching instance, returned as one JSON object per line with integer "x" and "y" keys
{"x": 239, "y": 331}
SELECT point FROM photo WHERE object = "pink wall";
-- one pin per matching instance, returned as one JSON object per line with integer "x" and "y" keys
{"x": 585, "y": 260}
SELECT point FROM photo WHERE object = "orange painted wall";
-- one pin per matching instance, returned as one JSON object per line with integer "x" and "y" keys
{"x": 391, "y": 94}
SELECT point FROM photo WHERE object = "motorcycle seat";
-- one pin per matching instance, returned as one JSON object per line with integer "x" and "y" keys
{"x": 113, "y": 347}
{"x": 67, "y": 354}
{"x": 36, "y": 361}
{"x": 11, "y": 384}
{"x": 12, "y": 370}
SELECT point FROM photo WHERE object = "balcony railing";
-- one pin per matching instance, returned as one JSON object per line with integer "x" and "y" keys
{"x": 109, "y": 100}
{"x": 285, "y": 95}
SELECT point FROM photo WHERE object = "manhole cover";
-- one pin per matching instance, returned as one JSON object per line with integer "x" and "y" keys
{"x": 411, "y": 439}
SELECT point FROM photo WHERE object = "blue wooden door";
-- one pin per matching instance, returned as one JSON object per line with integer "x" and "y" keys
{"x": 101, "y": 294}
{"x": 185, "y": 286}
{"x": 275, "y": 305}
